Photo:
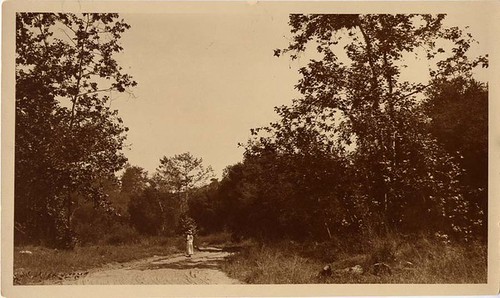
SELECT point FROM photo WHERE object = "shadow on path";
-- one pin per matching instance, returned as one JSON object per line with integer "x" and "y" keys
{"x": 202, "y": 268}
{"x": 203, "y": 259}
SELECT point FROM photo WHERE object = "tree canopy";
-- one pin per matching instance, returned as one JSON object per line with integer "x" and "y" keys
{"x": 356, "y": 107}
{"x": 364, "y": 149}
{"x": 68, "y": 138}
{"x": 181, "y": 174}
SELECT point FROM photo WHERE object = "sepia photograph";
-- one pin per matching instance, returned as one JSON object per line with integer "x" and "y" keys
{"x": 240, "y": 144}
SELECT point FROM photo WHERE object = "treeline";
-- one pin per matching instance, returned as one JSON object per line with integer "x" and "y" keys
{"x": 298, "y": 188}
{"x": 295, "y": 188}
{"x": 146, "y": 205}
{"x": 362, "y": 152}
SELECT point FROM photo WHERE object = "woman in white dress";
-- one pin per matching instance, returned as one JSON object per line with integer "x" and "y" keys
{"x": 189, "y": 243}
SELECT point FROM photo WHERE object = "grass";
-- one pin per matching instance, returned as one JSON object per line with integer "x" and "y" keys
{"x": 222, "y": 240}
{"x": 45, "y": 263}
{"x": 216, "y": 239}
{"x": 410, "y": 261}
{"x": 414, "y": 262}
{"x": 270, "y": 265}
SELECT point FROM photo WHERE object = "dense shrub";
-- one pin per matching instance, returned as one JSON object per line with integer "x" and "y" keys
{"x": 153, "y": 212}
{"x": 121, "y": 234}
{"x": 93, "y": 225}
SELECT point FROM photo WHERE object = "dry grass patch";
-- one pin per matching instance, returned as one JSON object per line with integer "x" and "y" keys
{"x": 413, "y": 262}
{"x": 45, "y": 264}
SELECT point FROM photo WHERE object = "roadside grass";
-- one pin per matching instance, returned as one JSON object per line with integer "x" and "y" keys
{"x": 409, "y": 261}
{"x": 264, "y": 264}
{"x": 222, "y": 240}
{"x": 216, "y": 239}
{"x": 404, "y": 261}
{"x": 47, "y": 264}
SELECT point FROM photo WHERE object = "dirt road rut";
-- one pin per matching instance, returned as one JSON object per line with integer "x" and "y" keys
{"x": 201, "y": 268}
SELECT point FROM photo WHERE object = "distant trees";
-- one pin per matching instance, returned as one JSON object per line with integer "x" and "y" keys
{"x": 134, "y": 180}
{"x": 160, "y": 205}
{"x": 205, "y": 207}
{"x": 68, "y": 139}
{"x": 180, "y": 174}
{"x": 149, "y": 212}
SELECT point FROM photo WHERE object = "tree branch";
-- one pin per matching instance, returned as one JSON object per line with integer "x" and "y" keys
{"x": 369, "y": 52}
{"x": 46, "y": 45}
{"x": 416, "y": 91}
{"x": 80, "y": 66}
{"x": 97, "y": 91}
{"x": 69, "y": 37}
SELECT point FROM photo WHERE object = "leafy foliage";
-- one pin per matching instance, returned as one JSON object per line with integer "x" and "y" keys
{"x": 458, "y": 109}
{"x": 187, "y": 225}
{"x": 68, "y": 139}
{"x": 134, "y": 180}
{"x": 389, "y": 166}
{"x": 151, "y": 212}
{"x": 205, "y": 207}
{"x": 180, "y": 174}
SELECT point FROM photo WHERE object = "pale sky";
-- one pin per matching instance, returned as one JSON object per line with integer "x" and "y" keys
{"x": 204, "y": 80}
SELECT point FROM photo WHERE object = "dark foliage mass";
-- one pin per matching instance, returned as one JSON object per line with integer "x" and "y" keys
{"x": 458, "y": 109}
{"x": 146, "y": 213}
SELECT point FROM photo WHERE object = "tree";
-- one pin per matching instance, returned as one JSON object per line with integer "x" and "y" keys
{"x": 458, "y": 109}
{"x": 134, "y": 180}
{"x": 147, "y": 214}
{"x": 355, "y": 105}
{"x": 206, "y": 209}
{"x": 67, "y": 136}
{"x": 181, "y": 174}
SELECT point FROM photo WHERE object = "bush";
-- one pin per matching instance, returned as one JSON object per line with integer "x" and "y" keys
{"x": 93, "y": 226}
{"x": 187, "y": 224}
{"x": 214, "y": 239}
{"x": 121, "y": 234}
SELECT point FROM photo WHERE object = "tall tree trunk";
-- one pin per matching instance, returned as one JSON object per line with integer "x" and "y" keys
{"x": 73, "y": 114}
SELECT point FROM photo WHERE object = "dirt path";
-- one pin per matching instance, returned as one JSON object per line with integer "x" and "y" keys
{"x": 201, "y": 268}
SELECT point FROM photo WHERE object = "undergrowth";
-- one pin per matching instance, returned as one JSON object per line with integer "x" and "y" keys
{"x": 387, "y": 260}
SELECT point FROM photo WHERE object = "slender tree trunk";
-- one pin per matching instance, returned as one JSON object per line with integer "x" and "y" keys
{"x": 383, "y": 190}
{"x": 73, "y": 112}
{"x": 68, "y": 206}
{"x": 163, "y": 216}
{"x": 328, "y": 230}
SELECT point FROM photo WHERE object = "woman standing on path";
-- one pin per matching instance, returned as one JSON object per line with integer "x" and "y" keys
{"x": 189, "y": 243}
